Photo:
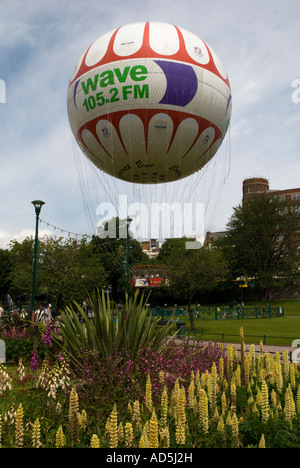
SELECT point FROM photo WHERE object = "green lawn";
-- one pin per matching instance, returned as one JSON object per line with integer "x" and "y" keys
{"x": 274, "y": 331}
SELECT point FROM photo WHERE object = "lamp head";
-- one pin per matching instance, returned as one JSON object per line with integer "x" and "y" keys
{"x": 38, "y": 205}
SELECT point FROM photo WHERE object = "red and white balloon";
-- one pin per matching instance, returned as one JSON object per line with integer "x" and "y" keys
{"x": 149, "y": 103}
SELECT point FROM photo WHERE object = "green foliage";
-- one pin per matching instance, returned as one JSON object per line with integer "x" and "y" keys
{"x": 261, "y": 242}
{"x": 22, "y": 347}
{"x": 67, "y": 269}
{"x": 125, "y": 330}
{"x": 6, "y": 266}
{"x": 192, "y": 271}
{"x": 112, "y": 253}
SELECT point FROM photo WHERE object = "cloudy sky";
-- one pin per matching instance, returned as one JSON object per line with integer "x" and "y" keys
{"x": 40, "y": 43}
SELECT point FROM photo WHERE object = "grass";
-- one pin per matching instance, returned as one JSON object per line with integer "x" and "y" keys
{"x": 279, "y": 331}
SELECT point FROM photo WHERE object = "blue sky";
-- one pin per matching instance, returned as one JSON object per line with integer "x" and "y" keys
{"x": 40, "y": 43}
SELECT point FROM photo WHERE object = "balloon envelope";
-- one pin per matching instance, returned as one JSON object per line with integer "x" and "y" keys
{"x": 149, "y": 103}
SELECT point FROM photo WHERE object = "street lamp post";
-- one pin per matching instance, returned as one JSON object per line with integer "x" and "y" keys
{"x": 38, "y": 206}
{"x": 128, "y": 221}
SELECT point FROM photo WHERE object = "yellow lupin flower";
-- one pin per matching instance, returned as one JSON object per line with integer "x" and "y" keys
{"x": 95, "y": 443}
{"x": 228, "y": 419}
{"x": 262, "y": 442}
{"x": 278, "y": 376}
{"x": 214, "y": 387}
{"x": 293, "y": 375}
{"x": 128, "y": 434}
{"x": 82, "y": 418}
{"x": 252, "y": 357}
{"x": 285, "y": 365}
{"x": 259, "y": 398}
{"x": 230, "y": 354}
{"x": 148, "y": 402}
{"x": 176, "y": 395}
{"x": 288, "y": 407}
{"x": 60, "y": 438}
{"x": 265, "y": 402}
{"x": 223, "y": 403}
{"x": 237, "y": 375}
{"x": 293, "y": 406}
{"x": 235, "y": 429}
{"x": 36, "y": 434}
{"x": 73, "y": 416}
{"x": 164, "y": 407}
{"x": 274, "y": 398}
{"x": 233, "y": 395}
{"x": 165, "y": 437}
{"x": 192, "y": 393}
{"x": 121, "y": 434}
{"x": 153, "y": 431}
{"x": 19, "y": 434}
{"x": 144, "y": 440}
{"x": 254, "y": 408}
{"x": 221, "y": 368}
{"x": 261, "y": 346}
{"x": 298, "y": 399}
{"x": 220, "y": 426}
{"x": 247, "y": 366}
{"x": 161, "y": 376}
{"x": 113, "y": 428}
{"x": 204, "y": 410}
{"x": 180, "y": 432}
{"x": 136, "y": 417}
{"x": 181, "y": 405}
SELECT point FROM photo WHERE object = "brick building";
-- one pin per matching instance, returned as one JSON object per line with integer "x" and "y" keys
{"x": 255, "y": 186}
{"x": 258, "y": 186}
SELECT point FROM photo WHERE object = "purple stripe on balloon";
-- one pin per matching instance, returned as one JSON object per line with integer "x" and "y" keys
{"x": 182, "y": 83}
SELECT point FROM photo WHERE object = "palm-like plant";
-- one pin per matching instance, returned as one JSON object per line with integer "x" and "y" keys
{"x": 123, "y": 331}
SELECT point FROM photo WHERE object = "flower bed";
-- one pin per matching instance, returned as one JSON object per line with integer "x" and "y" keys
{"x": 186, "y": 397}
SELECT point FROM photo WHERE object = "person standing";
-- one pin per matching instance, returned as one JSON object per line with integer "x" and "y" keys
{"x": 39, "y": 314}
{"x": 47, "y": 314}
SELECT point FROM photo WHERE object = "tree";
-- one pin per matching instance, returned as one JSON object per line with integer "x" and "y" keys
{"x": 192, "y": 271}
{"x": 70, "y": 270}
{"x": 5, "y": 270}
{"x": 67, "y": 269}
{"x": 112, "y": 252}
{"x": 262, "y": 243}
{"x": 22, "y": 265}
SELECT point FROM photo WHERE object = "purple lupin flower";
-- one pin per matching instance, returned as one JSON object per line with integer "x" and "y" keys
{"x": 47, "y": 337}
{"x": 34, "y": 362}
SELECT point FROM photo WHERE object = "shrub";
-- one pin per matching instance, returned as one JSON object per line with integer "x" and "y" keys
{"x": 122, "y": 331}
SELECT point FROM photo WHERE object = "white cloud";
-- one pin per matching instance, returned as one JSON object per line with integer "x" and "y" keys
{"x": 6, "y": 237}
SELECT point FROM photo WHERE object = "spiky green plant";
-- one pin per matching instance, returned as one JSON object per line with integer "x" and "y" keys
{"x": 123, "y": 331}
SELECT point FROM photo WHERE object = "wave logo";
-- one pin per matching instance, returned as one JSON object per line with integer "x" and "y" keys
{"x": 2, "y": 92}
{"x": 296, "y": 353}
